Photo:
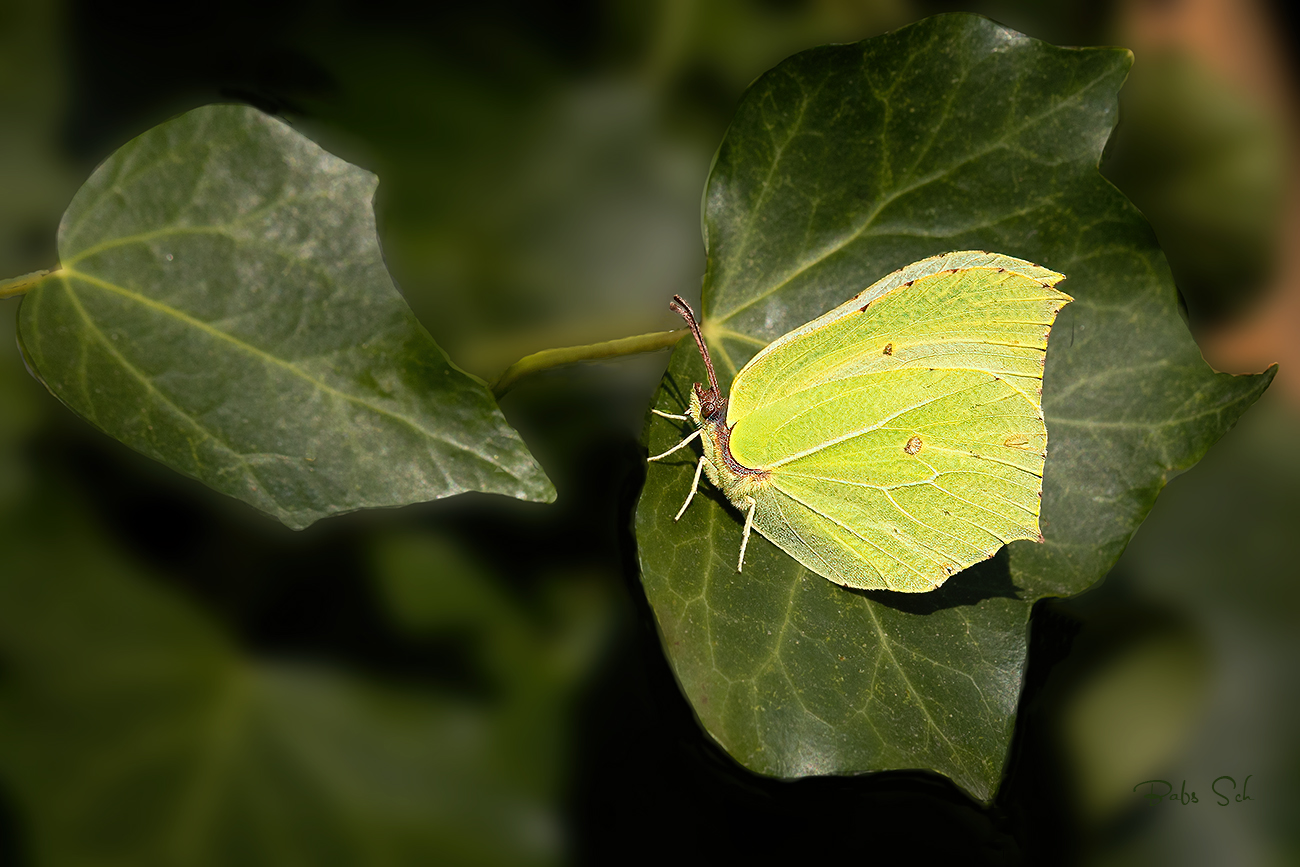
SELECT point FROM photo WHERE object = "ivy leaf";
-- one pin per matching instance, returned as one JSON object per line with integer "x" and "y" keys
{"x": 843, "y": 164}
{"x": 222, "y": 306}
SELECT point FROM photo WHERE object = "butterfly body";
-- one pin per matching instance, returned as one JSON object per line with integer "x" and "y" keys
{"x": 899, "y": 438}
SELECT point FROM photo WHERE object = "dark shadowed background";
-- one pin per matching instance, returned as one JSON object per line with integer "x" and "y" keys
{"x": 478, "y": 680}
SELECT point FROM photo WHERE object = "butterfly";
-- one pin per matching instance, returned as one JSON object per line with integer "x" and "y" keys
{"x": 897, "y": 439}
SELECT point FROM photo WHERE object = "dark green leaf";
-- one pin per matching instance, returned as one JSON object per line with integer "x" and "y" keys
{"x": 132, "y": 731}
{"x": 223, "y": 307}
{"x": 843, "y": 164}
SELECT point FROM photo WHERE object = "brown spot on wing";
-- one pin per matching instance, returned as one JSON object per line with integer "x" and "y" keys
{"x": 913, "y": 445}
{"x": 889, "y": 349}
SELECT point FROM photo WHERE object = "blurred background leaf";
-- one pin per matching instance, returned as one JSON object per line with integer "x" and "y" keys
{"x": 133, "y": 732}
{"x": 420, "y": 96}
{"x": 1218, "y": 552}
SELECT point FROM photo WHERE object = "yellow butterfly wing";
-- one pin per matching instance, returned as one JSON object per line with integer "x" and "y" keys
{"x": 903, "y": 431}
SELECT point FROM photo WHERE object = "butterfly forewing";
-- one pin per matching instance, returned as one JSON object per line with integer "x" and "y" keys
{"x": 980, "y": 318}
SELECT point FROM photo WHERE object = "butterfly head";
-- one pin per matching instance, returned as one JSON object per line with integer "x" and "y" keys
{"x": 707, "y": 406}
{"x": 712, "y": 405}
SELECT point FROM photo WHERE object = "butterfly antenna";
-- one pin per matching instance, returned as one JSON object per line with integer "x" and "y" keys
{"x": 679, "y": 306}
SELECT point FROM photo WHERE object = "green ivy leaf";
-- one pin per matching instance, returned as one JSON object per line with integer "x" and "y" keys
{"x": 843, "y": 164}
{"x": 222, "y": 306}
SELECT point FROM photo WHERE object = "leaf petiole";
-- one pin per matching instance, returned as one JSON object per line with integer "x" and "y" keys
{"x": 548, "y": 358}
{"x": 19, "y": 285}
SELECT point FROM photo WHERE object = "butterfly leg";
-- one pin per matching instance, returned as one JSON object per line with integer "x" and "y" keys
{"x": 670, "y": 415}
{"x": 744, "y": 539}
{"x": 680, "y": 445}
{"x": 695, "y": 485}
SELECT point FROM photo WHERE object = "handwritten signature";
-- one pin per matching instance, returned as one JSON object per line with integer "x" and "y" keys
{"x": 1226, "y": 792}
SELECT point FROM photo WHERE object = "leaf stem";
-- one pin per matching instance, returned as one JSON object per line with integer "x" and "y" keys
{"x": 548, "y": 358}
{"x": 19, "y": 285}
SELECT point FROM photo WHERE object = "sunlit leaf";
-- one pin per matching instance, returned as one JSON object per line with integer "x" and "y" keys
{"x": 843, "y": 164}
{"x": 222, "y": 306}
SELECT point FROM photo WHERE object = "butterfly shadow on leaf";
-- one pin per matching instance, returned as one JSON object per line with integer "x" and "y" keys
{"x": 986, "y": 580}
{"x": 679, "y": 390}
